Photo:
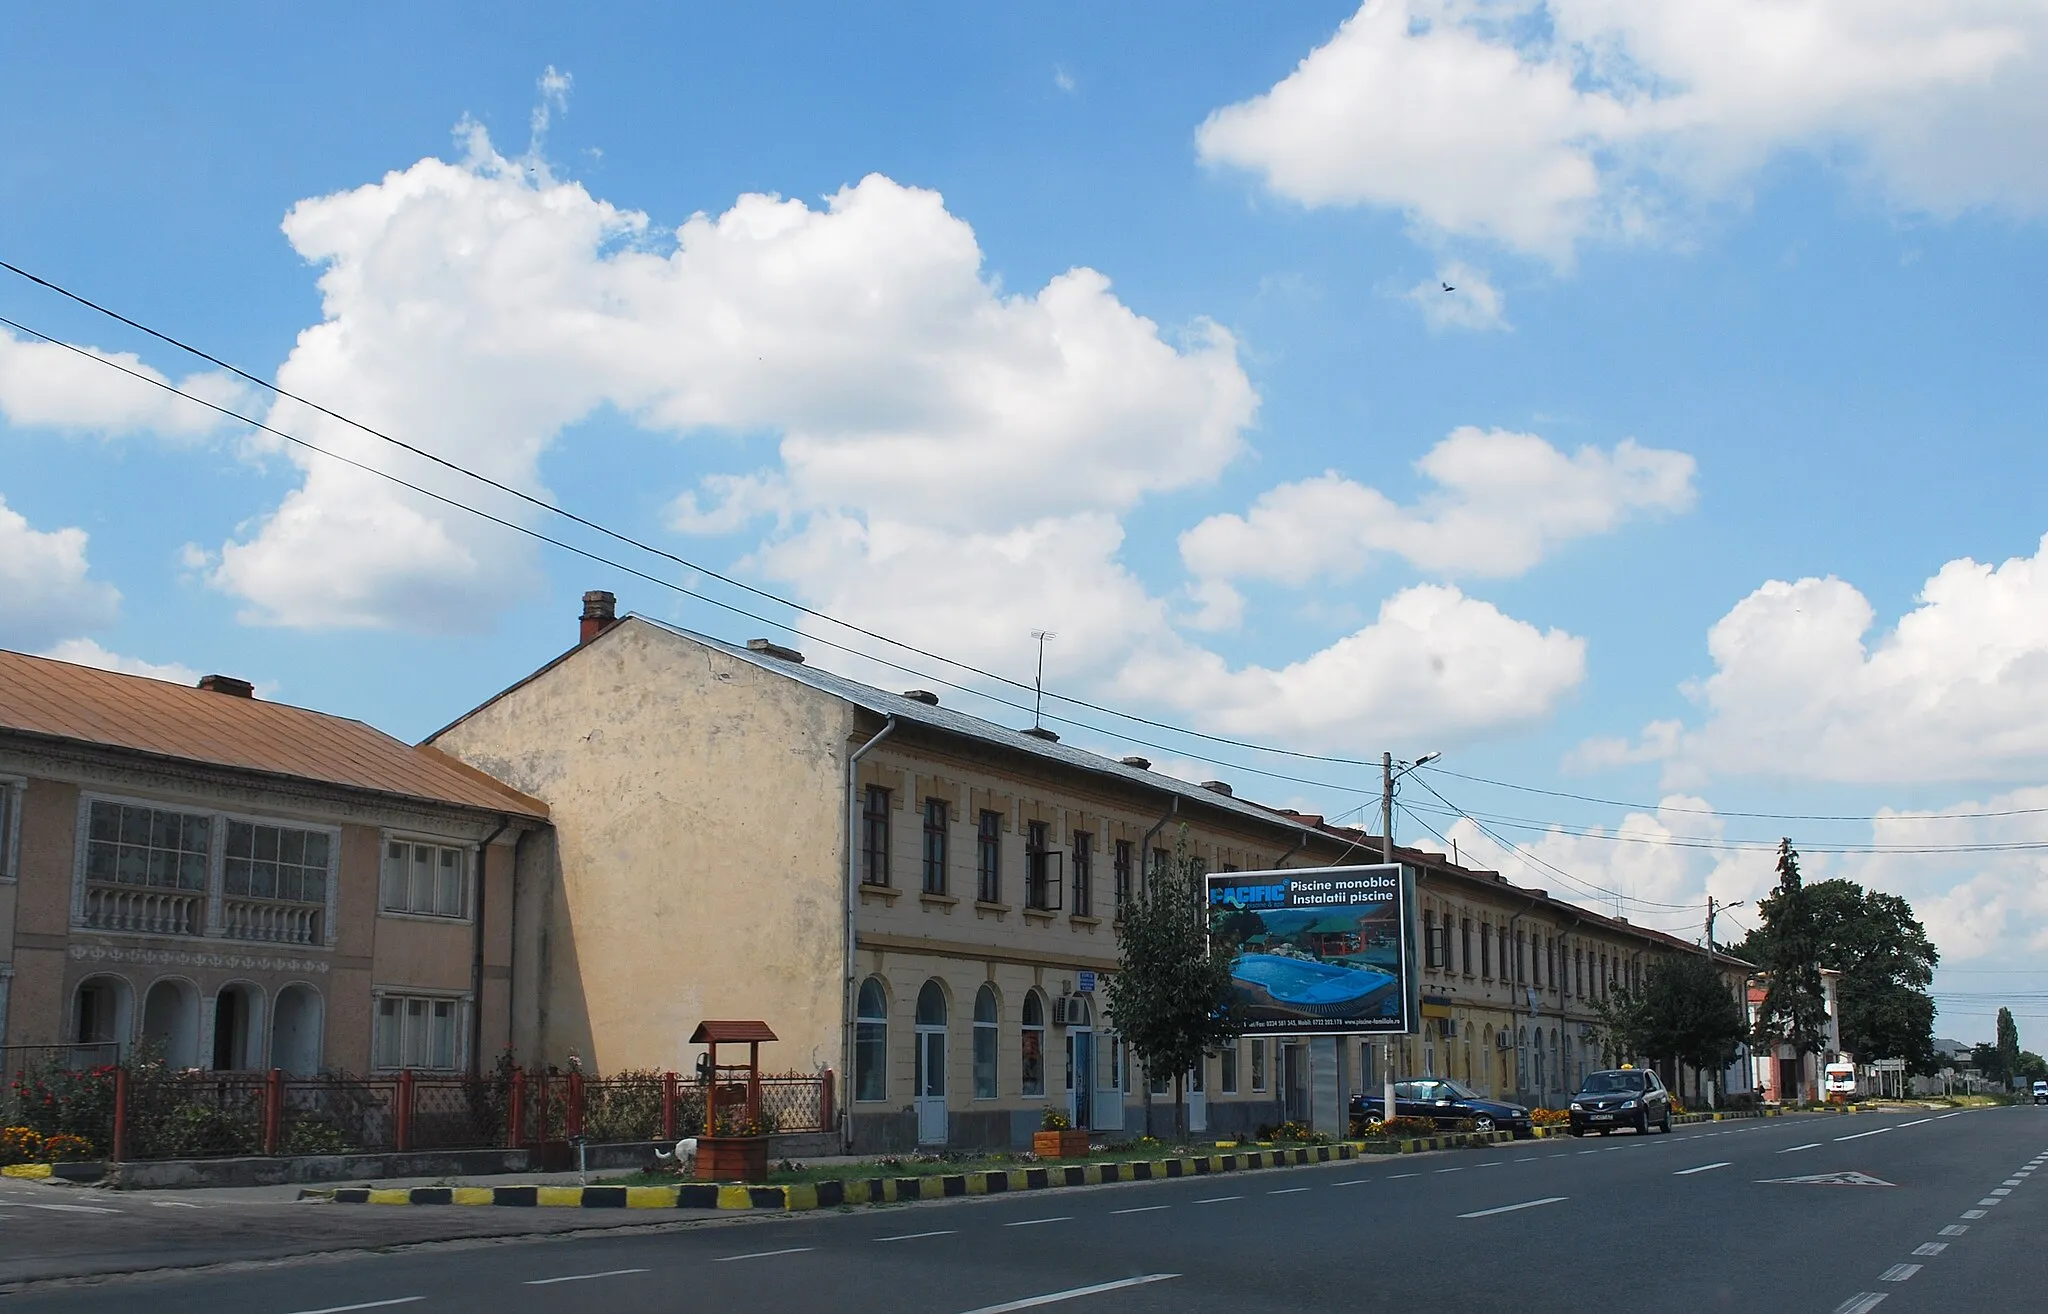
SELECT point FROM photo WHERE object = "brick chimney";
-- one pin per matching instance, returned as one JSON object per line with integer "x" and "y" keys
{"x": 227, "y": 684}
{"x": 600, "y": 613}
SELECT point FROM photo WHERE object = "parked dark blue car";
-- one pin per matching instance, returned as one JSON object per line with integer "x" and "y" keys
{"x": 1447, "y": 1103}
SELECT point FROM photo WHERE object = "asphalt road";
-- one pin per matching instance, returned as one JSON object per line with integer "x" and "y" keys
{"x": 1943, "y": 1212}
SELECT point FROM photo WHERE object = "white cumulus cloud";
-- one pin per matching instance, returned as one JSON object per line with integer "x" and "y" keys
{"x": 44, "y": 385}
{"x": 1460, "y": 297}
{"x": 46, "y": 589}
{"x": 87, "y": 652}
{"x": 1535, "y": 123}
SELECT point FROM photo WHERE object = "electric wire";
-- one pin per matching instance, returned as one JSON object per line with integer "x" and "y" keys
{"x": 1718, "y": 812}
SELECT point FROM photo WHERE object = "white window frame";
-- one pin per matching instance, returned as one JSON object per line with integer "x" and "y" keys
{"x": 472, "y": 868}
{"x": 11, "y": 790}
{"x": 463, "y": 1009}
{"x": 217, "y": 887}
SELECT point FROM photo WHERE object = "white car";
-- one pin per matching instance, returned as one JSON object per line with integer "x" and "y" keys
{"x": 2041, "y": 1092}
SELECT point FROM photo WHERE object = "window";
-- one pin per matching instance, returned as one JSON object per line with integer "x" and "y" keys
{"x": 147, "y": 847}
{"x": 1227, "y": 1082}
{"x": 1578, "y": 972}
{"x": 1258, "y": 1045}
{"x": 1120, "y": 873}
{"x": 10, "y": 826}
{"x": 272, "y": 862}
{"x": 1434, "y": 941}
{"x": 1033, "y": 1048}
{"x": 1160, "y": 857}
{"x": 871, "y": 1042}
{"x": 1084, "y": 874}
{"x": 1042, "y": 878}
{"x": 1521, "y": 958}
{"x": 1160, "y": 1082}
{"x": 874, "y": 837}
{"x": 935, "y": 846}
{"x": 428, "y": 879}
{"x": 1465, "y": 944}
{"x": 985, "y": 1035}
{"x": 989, "y": 852}
{"x": 1486, "y": 951}
{"x": 415, "y": 1031}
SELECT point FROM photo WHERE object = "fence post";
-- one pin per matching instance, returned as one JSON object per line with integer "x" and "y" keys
{"x": 826, "y": 1084}
{"x": 273, "y": 1110}
{"x": 573, "y": 1128}
{"x": 119, "y": 1150}
{"x": 668, "y": 1106}
{"x": 403, "y": 1113}
{"x": 515, "y": 1117}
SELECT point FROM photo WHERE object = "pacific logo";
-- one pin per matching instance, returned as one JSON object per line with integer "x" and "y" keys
{"x": 1240, "y": 895}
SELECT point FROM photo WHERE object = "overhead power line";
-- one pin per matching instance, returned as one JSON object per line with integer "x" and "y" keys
{"x": 1732, "y": 846}
{"x": 1718, "y": 812}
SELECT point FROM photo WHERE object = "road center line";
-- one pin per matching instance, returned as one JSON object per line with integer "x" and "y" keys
{"x": 915, "y": 1236}
{"x": 1916, "y": 1122}
{"x": 1398, "y": 1176}
{"x": 1898, "y": 1273}
{"x": 1034, "y": 1222}
{"x": 1943, "y": 1117}
{"x": 1442, "y": 1171}
{"x": 1292, "y": 1190}
{"x": 1955, "y": 1229}
{"x": 1509, "y": 1209}
{"x": 1054, "y": 1297}
{"x": 762, "y": 1254}
{"x": 1861, "y": 1303}
{"x": 1857, "y": 1136}
{"x": 368, "y": 1304}
{"x": 1929, "y": 1249}
{"x": 1219, "y": 1199}
{"x": 1810, "y": 1145}
{"x": 581, "y": 1277}
{"x": 1703, "y": 1168}
{"x": 1352, "y": 1181}
{"x": 1142, "y": 1209}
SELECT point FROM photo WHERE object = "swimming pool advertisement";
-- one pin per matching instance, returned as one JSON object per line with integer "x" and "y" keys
{"x": 1320, "y": 950}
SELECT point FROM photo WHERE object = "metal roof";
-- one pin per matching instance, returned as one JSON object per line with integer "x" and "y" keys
{"x": 55, "y": 700}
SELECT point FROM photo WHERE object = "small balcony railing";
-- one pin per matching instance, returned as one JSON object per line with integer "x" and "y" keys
{"x": 145, "y": 911}
{"x": 271, "y": 921}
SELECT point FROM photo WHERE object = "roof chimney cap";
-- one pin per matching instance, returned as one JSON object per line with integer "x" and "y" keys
{"x": 227, "y": 684}
{"x": 924, "y": 696}
{"x": 1040, "y": 732}
{"x": 600, "y": 613}
{"x": 1218, "y": 787}
{"x": 1141, "y": 763}
{"x": 768, "y": 648}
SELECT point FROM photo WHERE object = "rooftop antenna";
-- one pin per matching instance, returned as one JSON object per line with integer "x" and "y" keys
{"x": 1038, "y": 703}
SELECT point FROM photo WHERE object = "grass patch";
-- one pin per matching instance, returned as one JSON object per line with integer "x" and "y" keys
{"x": 929, "y": 1166}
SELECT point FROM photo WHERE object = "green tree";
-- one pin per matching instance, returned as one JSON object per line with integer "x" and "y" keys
{"x": 1172, "y": 996}
{"x": 1794, "y": 1010}
{"x": 2031, "y": 1067}
{"x": 1689, "y": 1016}
{"x": 2008, "y": 1046}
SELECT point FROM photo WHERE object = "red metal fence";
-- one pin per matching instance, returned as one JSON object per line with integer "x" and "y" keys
{"x": 145, "y": 1111}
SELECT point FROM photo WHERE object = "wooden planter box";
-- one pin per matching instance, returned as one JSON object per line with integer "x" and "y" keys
{"x": 732, "y": 1158}
{"x": 1059, "y": 1144}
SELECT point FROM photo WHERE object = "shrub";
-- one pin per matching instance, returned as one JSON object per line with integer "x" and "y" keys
{"x": 623, "y": 1107}
{"x": 21, "y": 1145}
{"x": 64, "y": 1148}
{"x": 58, "y": 1101}
{"x": 314, "y": 1134}
{"x": 1549, "y": 1117}
{"x": 1053, "y": 1120}
{"x": 1401, "y": 1128}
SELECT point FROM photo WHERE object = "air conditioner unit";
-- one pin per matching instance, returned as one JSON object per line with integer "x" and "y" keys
{"x": 1059, "y": 1011}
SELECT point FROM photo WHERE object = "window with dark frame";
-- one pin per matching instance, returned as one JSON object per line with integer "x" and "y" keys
{"x": 1465, "y": 944}
{"x": 1486, "y": 950}
{"x": 1042, "y": 876}
{"x": 989, "y": 858}
{"x": 1432, "y": 942}
{"x": 935, "y": 845}
{"x": 874, "y": 837}
{"x": 1120, "y": 873}
{"x": 1084, "y": 874}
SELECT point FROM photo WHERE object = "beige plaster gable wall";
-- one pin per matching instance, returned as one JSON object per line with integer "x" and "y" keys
{"x": 696, "y": 866}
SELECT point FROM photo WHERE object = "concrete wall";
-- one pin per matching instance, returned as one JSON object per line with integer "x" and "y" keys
{"x": 696, "y": 864}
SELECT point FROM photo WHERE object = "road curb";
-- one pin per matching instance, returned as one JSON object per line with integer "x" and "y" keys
{"x": 893, "y": 1190}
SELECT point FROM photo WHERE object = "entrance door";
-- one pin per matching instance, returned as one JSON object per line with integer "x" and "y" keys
{"x": 1198, "y": 1097}
{"x": 1294, "y": 1082}
{"x": 1109, "y": 1083}
{"x": 1080, "y": 1090}
{"x": 930, "y": 1088}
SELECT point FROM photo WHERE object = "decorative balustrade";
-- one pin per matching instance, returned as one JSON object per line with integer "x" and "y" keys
{"x": 144, "y": 911}
{"x": 271, "y": 921}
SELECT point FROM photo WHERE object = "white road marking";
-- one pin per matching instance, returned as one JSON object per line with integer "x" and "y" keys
{"x": 1292, "y": 1190}
{"x": 1975, "y": 1213}
{"x": 2011, "y": 1181}
{"x": 56, "y": 1208}
{"x": 1219, "y": 1199}
{"x": 1916, "y": 1122}
{"x": 1861, "y": 1303}
{"x": 762, "y": 1254}
{"x": 1810, "y": 1145}
{"x": 1857, "y": 1136}
{"x": 1398, "y": 1176}
{"x": 919, "y": 1236}
{"x": 1703, "y": 1168}
{"x": 1142, "y": 1209}
{"x": 1034, "y": 1222}
{"x": 581, "y": 1277}
{"x": 1352, "y": 1181}
{"x": 1053, "y": 1297}
{"x": 1508, "y": 1209}
{"x": 2001, "y": 1190}
{"x": 1589, "y": 1151}
{"x": 368, "y": 1304}
{"x": 1942, "y": 1117}
{"x": 1898, "y": 1273}
{"x": 1929, "y": 1249}
{"x": 175, "y": 1204}
{"x": 1988, "y": 1201}
{"x": 1955, "y": 1229}
{"x": 1442, "y": 1171}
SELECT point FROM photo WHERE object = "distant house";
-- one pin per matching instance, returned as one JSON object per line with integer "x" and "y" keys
{"x": 1786, "y": 1075}
{"x": 243, "y": 885}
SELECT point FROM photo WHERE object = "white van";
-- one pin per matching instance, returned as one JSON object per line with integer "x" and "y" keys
{"x": 1838, "y": 1080}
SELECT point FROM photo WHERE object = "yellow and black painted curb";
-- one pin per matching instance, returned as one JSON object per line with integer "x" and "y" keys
{"x": 892, "y": 1190}
{"x": 27, "y": 1171}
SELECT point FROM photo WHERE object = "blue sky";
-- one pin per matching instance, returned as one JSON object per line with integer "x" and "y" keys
{"x": 1133, "y": 331}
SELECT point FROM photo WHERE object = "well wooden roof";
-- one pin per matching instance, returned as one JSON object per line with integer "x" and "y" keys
{"x": 81, "y": 704}
{"x": 721, "y": 1033}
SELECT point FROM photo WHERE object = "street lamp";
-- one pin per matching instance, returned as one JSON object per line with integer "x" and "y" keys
{"x": 1388, "y": 775}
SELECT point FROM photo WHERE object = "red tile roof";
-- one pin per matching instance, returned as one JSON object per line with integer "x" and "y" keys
{"x": 81, "y": 704}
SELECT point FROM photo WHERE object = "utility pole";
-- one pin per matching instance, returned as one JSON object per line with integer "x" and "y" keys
{"x": 1038, "y": 684}
{"x": 1387, "y": 856}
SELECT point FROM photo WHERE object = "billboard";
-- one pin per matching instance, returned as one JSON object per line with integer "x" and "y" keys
{"x": 1320, "y": 950}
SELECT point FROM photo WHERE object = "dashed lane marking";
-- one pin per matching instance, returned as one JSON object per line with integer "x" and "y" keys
{"x": 1861, "y": 1303}
{"x": 1955, "y": 1229}
{"x": 762, "y": 1254}
{"x": 175, "y": 1204}
{"x": 1292, "y": 1190}
{"x": 1142, "y": 1209}
{"x": 1398, "y": 1176}
{"x": 1054, "y": 1297}
{"x": 1975, "y": 1213}
{"x": 1219, "y": 1199}
{"x": 1916, "y": 1122}
{"x": 368, "y": 1304}
{"x": 1857, "y": 1136}
{"x": 916, "y": 1236}
{"x": 1352, "y": 1181}
{"x": 1034, "y": 1222}
{"x": 1703, "y": 1168}
{"x": 1441, "y": 1171}
{"x": 1509, "y": 1209}
{"x": 581, "y": 1277}
{"x": 1898, "y": 1273}
{"x": 1929, "y": 1249}
{"x": 1810, "y": 1145}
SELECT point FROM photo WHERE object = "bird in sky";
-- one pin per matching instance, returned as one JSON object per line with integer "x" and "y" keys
{"x": 1449, "y": 288}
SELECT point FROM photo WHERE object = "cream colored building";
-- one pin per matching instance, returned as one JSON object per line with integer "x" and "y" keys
{"x": 918, "y": 897}
{"x": 242, "y": 884}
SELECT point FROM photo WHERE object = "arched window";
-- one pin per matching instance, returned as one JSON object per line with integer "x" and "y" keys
{"x": 986, "y": 1016}
{"x": 871, "y": 1042}
{"x": 931, "y": 1005}
{"x": 1033, "y": 1066}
